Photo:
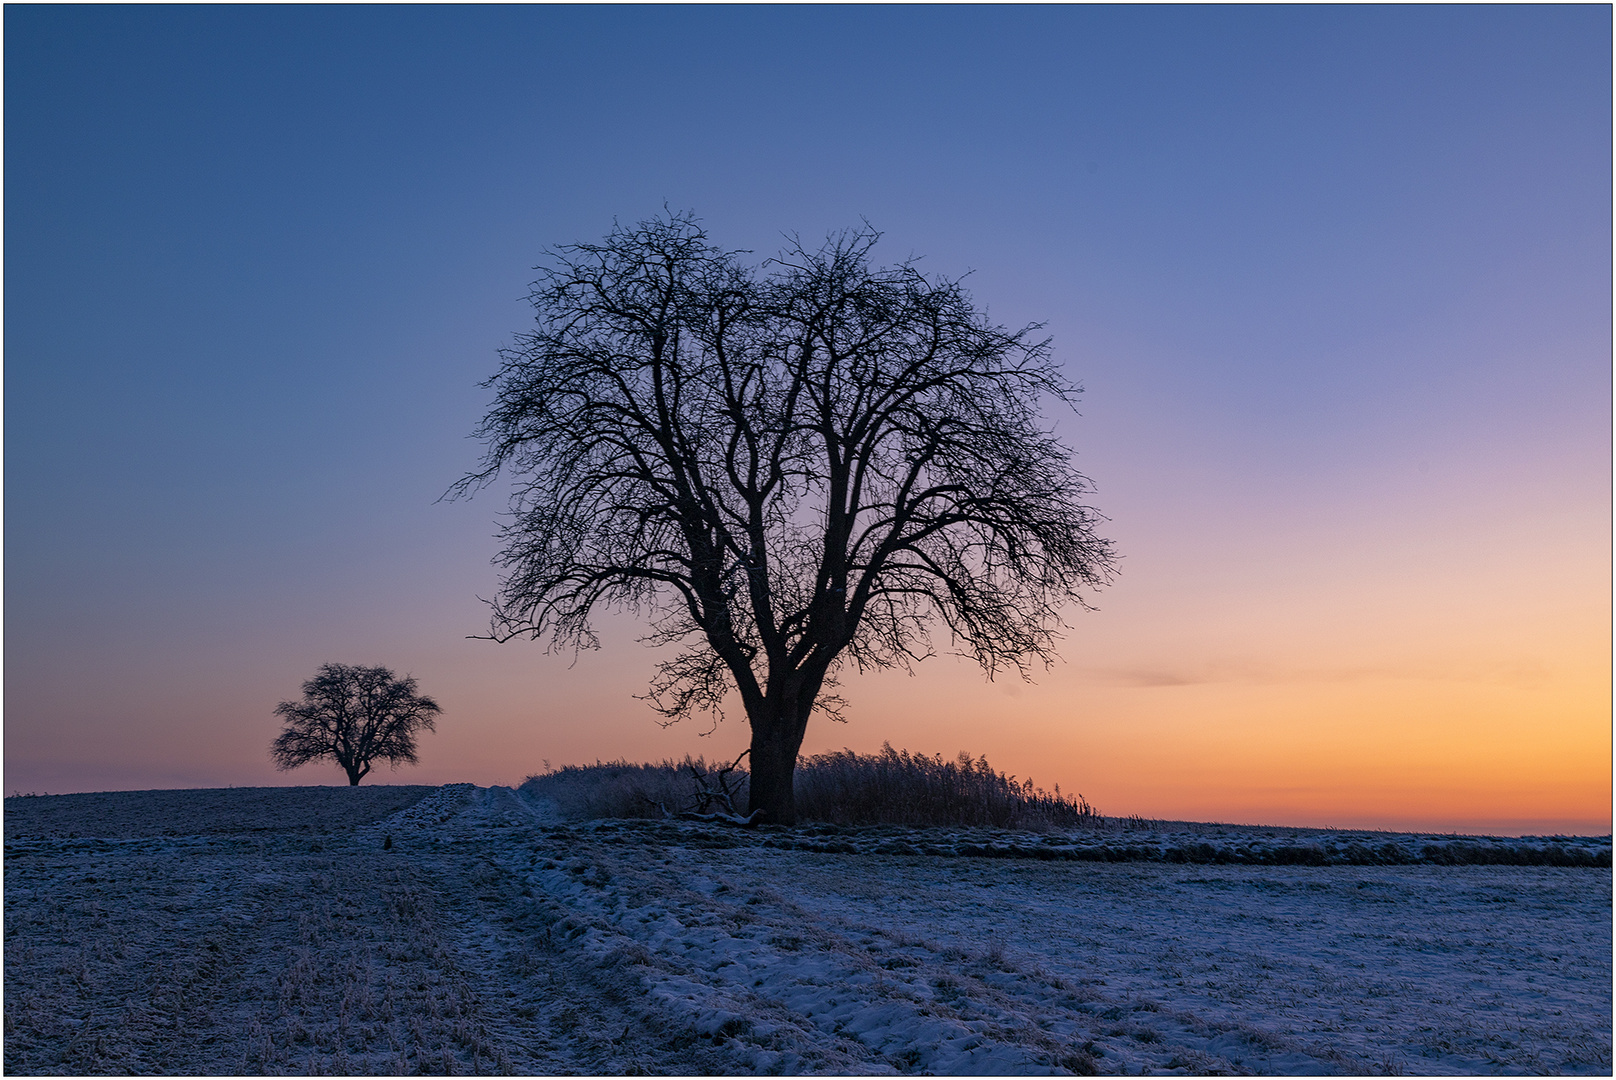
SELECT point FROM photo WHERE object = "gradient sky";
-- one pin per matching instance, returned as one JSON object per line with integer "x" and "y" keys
{"x": 1337, "y": 281}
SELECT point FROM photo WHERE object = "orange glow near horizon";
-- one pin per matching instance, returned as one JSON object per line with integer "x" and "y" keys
{"x": 1369, "y": 753}
{"x": 1528, "y": 753}
{"x": 1407, "y": 701}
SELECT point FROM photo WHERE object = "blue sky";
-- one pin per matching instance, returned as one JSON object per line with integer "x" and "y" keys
{"x": 1336, "y": 280}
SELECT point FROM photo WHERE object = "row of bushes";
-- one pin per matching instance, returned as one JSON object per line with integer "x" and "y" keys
{"x": 893, "y": 787}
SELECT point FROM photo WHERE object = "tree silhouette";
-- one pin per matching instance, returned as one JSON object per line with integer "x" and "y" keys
{"x": 355, "y": 716}
{"x": 785, "y": 469}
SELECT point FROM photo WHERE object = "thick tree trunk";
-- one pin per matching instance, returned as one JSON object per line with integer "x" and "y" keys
{"x": 775, "y": 742}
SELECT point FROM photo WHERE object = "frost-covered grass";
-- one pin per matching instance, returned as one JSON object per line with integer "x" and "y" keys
{"x": 206, "y": 810}
{"x": 1110, "y": 840}
{"x": 893, "y": 787}
{"x": 475, "y": 930}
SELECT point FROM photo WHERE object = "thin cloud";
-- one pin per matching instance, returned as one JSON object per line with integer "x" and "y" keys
{"x": 1516, "y": 673}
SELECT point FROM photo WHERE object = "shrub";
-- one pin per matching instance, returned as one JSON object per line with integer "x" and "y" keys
{"x": 619, "y": 789}
{"x": 893, "y": 787}
{"x": 896, "y": 787}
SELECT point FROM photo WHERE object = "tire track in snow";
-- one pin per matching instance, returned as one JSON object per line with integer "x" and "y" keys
{"x": 1182, "y": 969}
{"x": 788, "y": 986}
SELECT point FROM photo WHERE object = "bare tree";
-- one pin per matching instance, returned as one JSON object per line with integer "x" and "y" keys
{"x": 355, "y": 716}
{"x": 784, "y": 469}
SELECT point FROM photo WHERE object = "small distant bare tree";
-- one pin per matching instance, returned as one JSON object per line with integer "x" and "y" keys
{"x": 355, "y": 716}
{"x": 785, "y": 470}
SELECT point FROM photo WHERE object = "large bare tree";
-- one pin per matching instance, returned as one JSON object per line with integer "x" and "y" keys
{"x": 785, "y": 469}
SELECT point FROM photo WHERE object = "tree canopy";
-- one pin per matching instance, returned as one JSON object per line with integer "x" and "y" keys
{"x": 785, "y": 469}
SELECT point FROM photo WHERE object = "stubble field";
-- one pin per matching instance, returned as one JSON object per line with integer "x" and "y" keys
{"x": 420, "y": 930}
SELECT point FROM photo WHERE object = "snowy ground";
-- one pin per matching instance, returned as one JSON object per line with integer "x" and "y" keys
{"x": 470, "y": 931}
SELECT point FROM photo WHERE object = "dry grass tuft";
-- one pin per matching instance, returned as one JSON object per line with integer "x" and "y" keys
{"x": 620, "y": 789}
{"x": 896, "y": 787}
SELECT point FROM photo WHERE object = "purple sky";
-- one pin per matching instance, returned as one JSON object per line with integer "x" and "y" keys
{"x": 1337, "y": 281}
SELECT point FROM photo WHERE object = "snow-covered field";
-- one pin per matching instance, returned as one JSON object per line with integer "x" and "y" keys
{"x": 374, "y": 930}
